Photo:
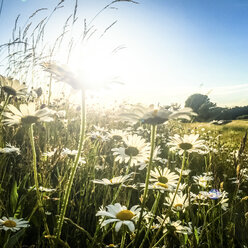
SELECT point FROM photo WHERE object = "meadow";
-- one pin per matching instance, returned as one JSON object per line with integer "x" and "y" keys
{"x": 80, "y": 174}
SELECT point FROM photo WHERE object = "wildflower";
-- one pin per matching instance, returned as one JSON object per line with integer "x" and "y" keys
{"x": 49, "y": 154}
{"x": 224, "y": 201}
{"x": 187, "y": 143}
{"x": 10, "y": 149}
{"x": 114, "y": 180}
{"x": 173, "y": 226}
{"x": 62, "y": 74}
{"x": 164, "y": 178}
{"x": 68, "y": 152}
{"x": 112, "y": 246}
{"x": 26, "y": 114}
{"x": 203, "y": 180}
{"x": 135, "y": 149}
{"x": 12, "y": 224}
{"x": 97, "y": 135}
{"x": 199, "y": 199}
{"x": 154, "y": 116}
{"x": 214, "y": 194}
{"x": 61, "y": 114}
{"x": 184, "y": 172}
{"x": 121, "y": 215}
{"x": 43, "y": 189}
{"x": 12, "y": 86}
{"x": 117, "y": 134}
{"x": 180, "y": 201}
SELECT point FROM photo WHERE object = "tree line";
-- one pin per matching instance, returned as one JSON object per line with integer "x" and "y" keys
{"x": 209, "y": 111}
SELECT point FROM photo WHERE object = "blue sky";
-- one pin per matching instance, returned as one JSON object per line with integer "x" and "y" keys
{"x": 174, "y": 48}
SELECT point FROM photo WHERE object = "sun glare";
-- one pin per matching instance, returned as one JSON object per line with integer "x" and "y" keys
{"x": 94, "y": 63}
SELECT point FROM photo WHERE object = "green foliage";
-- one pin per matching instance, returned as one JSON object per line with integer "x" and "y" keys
{"x": 13, "y": 197}
{"x": 201, "y": 105}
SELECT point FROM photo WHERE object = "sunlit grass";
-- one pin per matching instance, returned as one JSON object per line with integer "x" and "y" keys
{"x": 125, "y": 175}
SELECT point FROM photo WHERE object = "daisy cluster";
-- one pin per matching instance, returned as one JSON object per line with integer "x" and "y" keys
{"x": 139, "y": 178}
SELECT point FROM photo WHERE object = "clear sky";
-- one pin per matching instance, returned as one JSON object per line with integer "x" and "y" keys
{"x": 173, "y": 48}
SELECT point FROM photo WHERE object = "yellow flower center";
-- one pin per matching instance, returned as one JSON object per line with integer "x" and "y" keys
{"x": 111, "y": 245}
{"x": 9, "y": 223}
{"x": 125, "y": 215}
{"x": 131, "y": 151}
{"x": 111, "y": 180}
{"x": 155, "y": 112}
{"x": 185, "y": 146}
{"x": 178, "y": 206}
{"x": 203, "y": 182}
{"x": 162, "y": 185}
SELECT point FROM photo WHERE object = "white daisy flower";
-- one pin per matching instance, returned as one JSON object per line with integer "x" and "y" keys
{"x": 135, "y": 148}
{"x": 164, "y": 179}
{"x": 203, "y": 180}
{"x": 117, "y": 134}
{"x": 173, "y": 226}
{"x": 98, "y": 135}
{"x": 180, "y": 202}
{"x": 68, "y": 152}
{"x": 49, "y": 154}
{"x": 10, "y": 149}
{"x": 185, "y": 172}
{"x": 12, "y": 86}
{"x": 26, "y": 114}
{"x": 12, "y": 224}
{"x": 77, "y": 81}
{"x": 121, "y": 215}
{"x": 155, "y": 116}
{"x": 199, "y": 199}
{"x": 62, "y": 74}
{"x": 189, "y": 143}
{"x": 114, "y": 180}
{"x": 61, "y": 114}
{"x": 43, "y": 189}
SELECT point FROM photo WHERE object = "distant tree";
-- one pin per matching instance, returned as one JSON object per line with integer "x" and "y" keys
{"x": 201, "y": 105}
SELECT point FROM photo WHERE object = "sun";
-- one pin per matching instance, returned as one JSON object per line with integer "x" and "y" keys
{"x": 95, "y": 63}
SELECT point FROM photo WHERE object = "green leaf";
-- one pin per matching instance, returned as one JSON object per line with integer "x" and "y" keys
{"x": 14, "y": 239}
{"x": 13, "y": 197}
{"x": 196, "y": 235}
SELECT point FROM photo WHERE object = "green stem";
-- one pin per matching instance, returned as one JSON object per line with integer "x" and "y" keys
{"x": 119, "y": 188}
{"x": 123, "y": 239}
{"x": 160, "y": 240}
{"x": 4, "y": 106}
{"x": 154, "y": 210}
{"x": 153, "y": 138}
{"x": 39, "y": 198}
{"x": 180, "y": 178}
{"x": 170, "y": 207}
{"x": 74, "y": 168}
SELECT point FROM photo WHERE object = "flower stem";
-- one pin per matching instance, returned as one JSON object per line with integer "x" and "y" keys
{"x": 39, "y": 198}
{"x": 153, "y": 211}
{"x": 180, "y": 178}
{"x": 123, "y": 239}
{"x": 74, "y": 168}
{"x": 4, "y": 106}
{"x": 119, "y": 188}
{"x": 172, "y": 202}
{"x": 153, "y": 138}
